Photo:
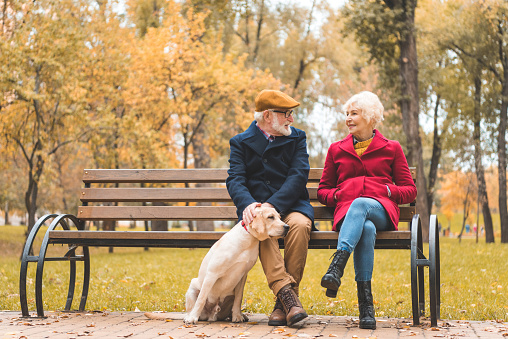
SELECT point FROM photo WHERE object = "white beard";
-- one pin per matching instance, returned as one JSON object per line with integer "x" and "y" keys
{"x": 281, "y": 128}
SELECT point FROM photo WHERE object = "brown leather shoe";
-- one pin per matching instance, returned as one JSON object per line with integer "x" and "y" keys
{"x": 292, "y": 305}
{"x": 278, "y": 316}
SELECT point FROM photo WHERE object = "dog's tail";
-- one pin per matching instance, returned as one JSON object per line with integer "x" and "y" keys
{"x": 164, "y": 315}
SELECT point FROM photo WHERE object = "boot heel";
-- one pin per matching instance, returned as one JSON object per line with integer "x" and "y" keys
{"x": 331, "y": 293}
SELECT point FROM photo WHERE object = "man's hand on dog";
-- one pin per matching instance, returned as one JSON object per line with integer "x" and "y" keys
{"x": 249, "y": 213}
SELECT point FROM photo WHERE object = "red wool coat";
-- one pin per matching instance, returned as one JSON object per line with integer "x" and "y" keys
{"x": 351, "y": 176}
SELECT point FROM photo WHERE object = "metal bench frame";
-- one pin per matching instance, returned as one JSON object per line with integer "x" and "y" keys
{"x": 411, "y": 240}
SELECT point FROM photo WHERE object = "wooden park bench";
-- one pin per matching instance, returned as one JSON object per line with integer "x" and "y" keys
{"x": 177, "y": 187}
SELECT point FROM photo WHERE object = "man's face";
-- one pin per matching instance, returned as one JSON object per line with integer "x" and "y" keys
{"x": 281, "y": 124}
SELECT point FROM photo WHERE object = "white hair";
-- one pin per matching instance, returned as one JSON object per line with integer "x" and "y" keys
{"x": 258, "y": 116}
{"x": 369, "y": 105}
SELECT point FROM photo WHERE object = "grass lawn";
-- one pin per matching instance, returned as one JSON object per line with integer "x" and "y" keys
{"x": 474, "y": 280}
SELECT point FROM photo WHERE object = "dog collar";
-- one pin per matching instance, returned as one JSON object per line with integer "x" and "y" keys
{"x": 245, "y": 227}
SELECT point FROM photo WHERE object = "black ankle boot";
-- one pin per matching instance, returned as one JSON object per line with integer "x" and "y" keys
{"x": 366, "y": 305}
{"x": 331, "y": 279}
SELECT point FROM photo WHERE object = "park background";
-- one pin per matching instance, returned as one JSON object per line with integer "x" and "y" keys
{"x": 166, "y": 84}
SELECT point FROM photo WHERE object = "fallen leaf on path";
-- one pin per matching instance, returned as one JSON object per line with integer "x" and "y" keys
{"x": 125, "y": 335}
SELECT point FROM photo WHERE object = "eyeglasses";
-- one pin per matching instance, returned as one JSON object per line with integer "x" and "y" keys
{"x": 287, "y": 114}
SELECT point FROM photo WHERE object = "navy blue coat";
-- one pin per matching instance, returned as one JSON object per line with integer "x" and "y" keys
{"x": 275, "y": 172}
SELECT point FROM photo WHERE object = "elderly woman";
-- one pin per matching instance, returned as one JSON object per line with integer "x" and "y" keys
{"x": 365, "y": 177}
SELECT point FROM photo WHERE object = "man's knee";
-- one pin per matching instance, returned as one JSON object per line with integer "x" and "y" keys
{"x": 298, "y": 223}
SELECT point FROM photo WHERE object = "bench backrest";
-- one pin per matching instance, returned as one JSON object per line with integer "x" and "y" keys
{"x": 128, "y": 194}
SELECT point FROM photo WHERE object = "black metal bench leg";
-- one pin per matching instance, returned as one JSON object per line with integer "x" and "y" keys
{"x": 421, "y": 272}
{"x": 22, "y": 289}
{"x": 26, "y": 258}
{"x": 72, "y": 284}
{"x": 38, "y": 278}
{"x": 415, "y": 224}
{"x": 86, "y": 278}
{"x": 434, "y": 269}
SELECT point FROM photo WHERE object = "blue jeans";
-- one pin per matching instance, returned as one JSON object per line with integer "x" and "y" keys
{"x": 358, "y": 233}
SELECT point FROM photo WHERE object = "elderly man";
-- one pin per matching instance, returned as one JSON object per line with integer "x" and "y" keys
{"x": 269, "y": 164}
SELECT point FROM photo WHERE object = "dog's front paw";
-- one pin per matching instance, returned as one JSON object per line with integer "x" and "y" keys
{"x": 239, "y": 318}
{"x": 189, "y": 319}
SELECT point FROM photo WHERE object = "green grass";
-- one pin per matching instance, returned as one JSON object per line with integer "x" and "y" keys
{"x": 474, "y": 281}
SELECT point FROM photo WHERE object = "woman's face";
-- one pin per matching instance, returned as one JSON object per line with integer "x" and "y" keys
{"x": 358, "y": 126}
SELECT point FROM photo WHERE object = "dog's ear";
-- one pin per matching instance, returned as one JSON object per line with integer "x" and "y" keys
{"x": 258, "y": 224}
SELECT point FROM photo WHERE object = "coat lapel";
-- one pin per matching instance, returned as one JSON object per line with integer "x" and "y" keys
{"x": 378, "y": 142}
{"x": 347, "y": 145}
{"x": 257, "y": 141}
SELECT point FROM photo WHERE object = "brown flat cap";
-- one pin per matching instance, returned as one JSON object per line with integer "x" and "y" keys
{"x": 273, "y": 99}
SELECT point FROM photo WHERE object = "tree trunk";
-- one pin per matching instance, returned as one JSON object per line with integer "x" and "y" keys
{"x": 436, "y": 157}
{"x": 465, "y": 213}
{"x": 33, "y": 190}
{"x": 109, "y": 225}
{"x": 409, "y": 104}
{"x": 159, "y": 225}
{"x": 480, "y": 172}
{"x": 202, "y": 160}
{"x": 6, "y": 219}
{"x": 501, "y": 153}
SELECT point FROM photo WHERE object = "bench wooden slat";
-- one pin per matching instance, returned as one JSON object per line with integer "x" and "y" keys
{"x": 190, "y": 213}
{"x": 202, "y": 235}
{"x": 323, "y": 240}
{"x": 162, "y": 194}
{"x": 154, "y": 194}
{"x": 198, "y": 175}
{"x": 201, "y": 175}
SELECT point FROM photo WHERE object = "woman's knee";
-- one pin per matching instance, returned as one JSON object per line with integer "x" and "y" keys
{"x": 369, "y": 229}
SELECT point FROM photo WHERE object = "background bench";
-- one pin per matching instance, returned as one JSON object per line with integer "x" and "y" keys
{"x": 180, "y": 191}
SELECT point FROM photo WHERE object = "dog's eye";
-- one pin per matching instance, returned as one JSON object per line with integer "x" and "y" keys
{"x": 271, "y": 217}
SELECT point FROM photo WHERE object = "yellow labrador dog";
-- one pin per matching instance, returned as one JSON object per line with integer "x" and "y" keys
{"x": 217, "y": 292}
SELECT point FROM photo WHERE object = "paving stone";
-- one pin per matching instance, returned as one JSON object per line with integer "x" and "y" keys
{"x": 119, "y": 325}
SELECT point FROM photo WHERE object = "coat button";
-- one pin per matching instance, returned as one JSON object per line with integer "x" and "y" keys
{"x": 268, "y": 182}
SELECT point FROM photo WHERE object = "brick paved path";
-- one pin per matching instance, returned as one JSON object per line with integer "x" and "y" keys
{"x": 136, "y": 325}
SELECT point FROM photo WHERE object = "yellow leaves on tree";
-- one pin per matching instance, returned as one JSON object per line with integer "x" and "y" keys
{"x": 458, "y": 193}
{"x": 188, "y": 90}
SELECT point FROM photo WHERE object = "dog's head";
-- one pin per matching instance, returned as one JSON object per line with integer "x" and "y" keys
{"x": 267, "y": 224}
